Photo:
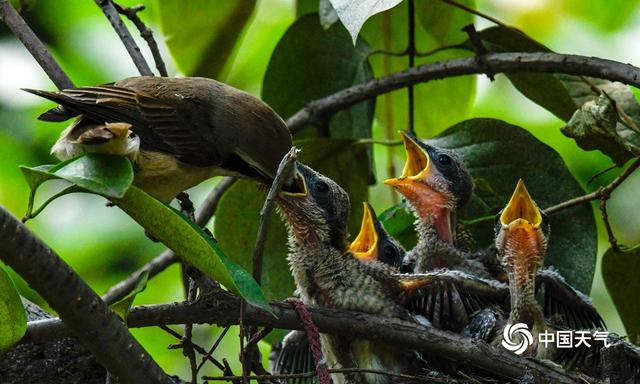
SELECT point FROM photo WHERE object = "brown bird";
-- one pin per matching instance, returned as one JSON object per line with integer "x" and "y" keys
{"x": 177, "y": 131}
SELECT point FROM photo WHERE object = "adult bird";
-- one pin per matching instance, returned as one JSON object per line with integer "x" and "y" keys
{"x": 436, "y": 183}
{"x": 178, "y": 132}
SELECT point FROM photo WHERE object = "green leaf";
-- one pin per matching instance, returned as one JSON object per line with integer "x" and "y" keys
{"x": 201, "y": 35}
{"x": 620, "y": 271}
{"x": 105, "y": 175}
{"x": 398, "y": 221}
{"x": 13, "y": 319}
{"x": 123, "y": 306}
{"x": 238, "y": 213}
{"x": 111, "y": 176}
{"x": 437, "y": 24}
{"x": 353, "y": 14}
{"x": 497, "y": 155}
{"x": 190, "y": 243}
{"x": 597, "y": 125}
{"x": 309, "y": 63}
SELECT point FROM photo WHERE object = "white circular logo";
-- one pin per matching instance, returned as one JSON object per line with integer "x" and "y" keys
{"x": 521, "y": 342}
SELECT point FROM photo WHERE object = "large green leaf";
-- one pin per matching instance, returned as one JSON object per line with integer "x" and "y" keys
{"x": 238, "y": 214}
{"x": 620, "y": 271}
{"x": 497, "y": 155}
{"x": 111, "y": 176}
{"x": 106, "y": 175}
{"x": 201, "y": 35}
{"x": 438, "y": 104}
{"x": 309, "y": 63}
{"x": 13, "y": 319}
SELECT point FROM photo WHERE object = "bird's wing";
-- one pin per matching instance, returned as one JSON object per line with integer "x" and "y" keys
{"x": 447, "y": 298}
{"x": 294, "y": 357}
{"x": 159, "y": 124}
{"x": 565, "y": 305}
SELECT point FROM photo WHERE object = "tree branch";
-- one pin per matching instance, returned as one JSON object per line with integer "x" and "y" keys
{"x": 282, "y": 175}
{"x": 132, "y": 14}
{"x": 37, "y": 49}
{"x": 545, "y": 62}
{"x": 223, "y": 309}
{"x": 600, "y": 193}
{"x": 88, "y": 317}
{"x": 113, "y": 16}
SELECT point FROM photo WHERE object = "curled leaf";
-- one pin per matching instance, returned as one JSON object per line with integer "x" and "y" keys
{"x": 353, "y": 14}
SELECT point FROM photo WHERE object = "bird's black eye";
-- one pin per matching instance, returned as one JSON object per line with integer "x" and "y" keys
{"x": 389, "y": 252}
{"x": 132, "y": 135}
{"x": 322, "y": 187}
{"x": 444, "y": 159}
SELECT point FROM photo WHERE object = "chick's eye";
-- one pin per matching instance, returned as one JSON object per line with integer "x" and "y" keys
{"x": 322, "y": 187}
{"x": 389, "y": 252}
{"x": 444, "y": 159}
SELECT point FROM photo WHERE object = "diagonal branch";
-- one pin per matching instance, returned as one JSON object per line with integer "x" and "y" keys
{"x": 39, "y": 52}
{"x": 88, "y": 317}
{"x": 545, "y": 62}
{"x": 223, "y": 310}
{"x": 132, "y": 14}
{"x": 113, "y": 16}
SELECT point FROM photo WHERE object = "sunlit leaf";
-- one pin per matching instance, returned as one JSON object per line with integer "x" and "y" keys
{"x": 238, "y": 214}
{"x": 497, "y": 154}
{"x": 620, "y": 271}
{"x": 13, "y": 319}
{"x": 123, "y": 306}
{"x": 398, "y": 221}
{"x": 353, "y": 14}
{"x": 201, "y": 35}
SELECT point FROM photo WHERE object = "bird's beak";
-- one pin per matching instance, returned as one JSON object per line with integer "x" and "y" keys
{"x": 119, "y": 130}
{"x": 412, "y": 184}
{"x": 417, "y": 166}
{"x": 298, "y": 189}
{"x": 365, "y": 245}
{"x": 521, "y": 209}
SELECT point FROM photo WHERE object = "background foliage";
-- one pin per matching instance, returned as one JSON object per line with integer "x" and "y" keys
{"x": 276, "y": 49}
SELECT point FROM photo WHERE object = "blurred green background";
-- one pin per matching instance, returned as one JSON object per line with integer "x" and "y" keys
{"x": 103, "y": 245}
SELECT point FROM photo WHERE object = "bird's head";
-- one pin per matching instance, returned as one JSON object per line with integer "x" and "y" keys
{"x": 315, "y": 208}
{"x": 522, "y": 230}
{"x": 435, "y": 182}
{"x": 373, "y": 243}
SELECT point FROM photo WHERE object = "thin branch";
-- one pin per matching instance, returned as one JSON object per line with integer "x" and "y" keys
{"x": 605, "y": 218}
{"x": 167, "y": 257}
{"x": 543, "y": 62}
{"x": 475, "y": 12}
{"x": 86, "y": 315}
{"x": 37, "y": 49}
{"x": 132, "y": 14}
{"x": 411, "y": 50}
{"x": 209, "y": 353}
{"x": 187, "y": 339}
{"x": 113, "y": 16}
{"x": 224, "y": 310}
{"x": 194, "y": 346}
{"x": 603, "y": 192}
{"x": 282, "y": 175}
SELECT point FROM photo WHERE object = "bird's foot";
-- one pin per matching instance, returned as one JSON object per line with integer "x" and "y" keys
{"x": 186, "y": 205}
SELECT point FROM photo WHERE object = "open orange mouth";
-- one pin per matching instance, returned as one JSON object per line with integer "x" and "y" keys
{"x": 365, "y": 246}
